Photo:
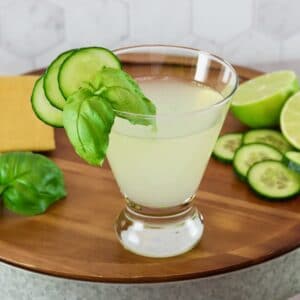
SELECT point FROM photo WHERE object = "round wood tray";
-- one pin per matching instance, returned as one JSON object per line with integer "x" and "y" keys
{"x": 76, "y": 239}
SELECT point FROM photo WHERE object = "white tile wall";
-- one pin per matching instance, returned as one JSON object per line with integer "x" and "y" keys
{"x": 291, "y": 47}
{"x": 30, "y": 28}
{"x": 221, "y": 20}
{"x": 95, "y": 22}
{"x": 252, "y": 48}
{"x": 277, "y": 18}
{"x": 260, "y": 33}
{"x": 159, "y": 21}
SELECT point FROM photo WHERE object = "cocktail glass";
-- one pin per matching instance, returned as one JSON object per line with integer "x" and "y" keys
{"x": 159, "y": 167}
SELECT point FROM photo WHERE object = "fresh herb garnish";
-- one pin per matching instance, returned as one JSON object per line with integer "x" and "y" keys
{"x": 89, "y": 113}
{"x": 125, "y": 95}
{"x": 130, "y": 105}
{"x": 29, "y": 183}
{"x": 88, "y": 119}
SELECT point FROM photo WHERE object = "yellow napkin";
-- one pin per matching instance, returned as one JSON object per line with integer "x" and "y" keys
{"x": 20, "y": 129}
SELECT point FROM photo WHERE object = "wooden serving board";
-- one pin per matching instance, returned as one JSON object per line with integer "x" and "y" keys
{"x": 76, "y": 239}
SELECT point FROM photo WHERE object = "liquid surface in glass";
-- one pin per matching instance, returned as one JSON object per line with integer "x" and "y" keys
{"x": 161, "y": 166}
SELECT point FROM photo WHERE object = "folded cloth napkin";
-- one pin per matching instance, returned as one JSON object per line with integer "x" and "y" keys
{"x": 20, "y": 129}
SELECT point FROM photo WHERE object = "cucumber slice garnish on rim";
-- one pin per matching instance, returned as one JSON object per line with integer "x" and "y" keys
{"x": 273, "y": 180}
{"x": 42, "y": 107}
{"x": 82, "y": 66}
{"x": 267, "y": 136}
{"x": 226, "y": 146}
{"x": 51, "y": 87}
{"x": 247, "y": 155}
{"x": 292, "y": 160}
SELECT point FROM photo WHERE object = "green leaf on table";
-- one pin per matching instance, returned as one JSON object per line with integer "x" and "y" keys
{"x": 88, "y": 119}
{"x": 29, "y": 183}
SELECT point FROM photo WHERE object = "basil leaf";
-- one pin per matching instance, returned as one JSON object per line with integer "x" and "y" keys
{"x": 119, "y": 88}
{"x": 29, "y": 183}
{"x": 88, "y": 119}
{"x": 109, "y": 77}
{"x": 89, "y": 113}
{"x": 130, "y": 106}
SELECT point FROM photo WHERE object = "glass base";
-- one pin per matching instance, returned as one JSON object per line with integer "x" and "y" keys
{"x": 158, "y": 235}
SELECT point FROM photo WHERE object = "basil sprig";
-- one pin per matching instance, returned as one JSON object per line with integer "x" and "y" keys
{"x": 88, "y": 119}
{"x": 29, "y": 183}
{"x": 125, "y": 96}
{"x": 89, "y": 113}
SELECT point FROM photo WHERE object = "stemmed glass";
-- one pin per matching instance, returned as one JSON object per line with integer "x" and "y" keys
{"x": 159, "y": 169}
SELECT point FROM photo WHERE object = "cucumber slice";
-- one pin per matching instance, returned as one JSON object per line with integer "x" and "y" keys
{"x": 51, "y": 87}
{"x": 292, "y": 160}
{"x": 42, "y": 107}
{"x": 247, "y": 155}
{"x": 226, "y": 146}
{"x": 273, "y": 180}
{"x": 268, "y": 136}
{"x": 82, "y": 65}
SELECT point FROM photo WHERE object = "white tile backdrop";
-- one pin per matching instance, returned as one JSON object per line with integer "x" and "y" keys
{"x": 263, "y": 34}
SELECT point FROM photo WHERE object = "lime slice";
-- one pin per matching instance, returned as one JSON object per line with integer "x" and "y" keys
{"x": 290, "y": 120}
{"x": 258, "y": 102}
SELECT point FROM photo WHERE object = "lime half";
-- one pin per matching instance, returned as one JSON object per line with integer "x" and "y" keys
{"x": 258, "y": 102}
{"x": 290, "y": 120}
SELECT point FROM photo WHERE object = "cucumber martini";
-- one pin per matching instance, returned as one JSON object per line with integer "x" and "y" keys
{"x": 156, "y": 112}
{"x": 161, "y": 167}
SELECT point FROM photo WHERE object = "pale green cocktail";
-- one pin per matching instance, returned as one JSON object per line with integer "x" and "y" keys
{"x": 161, "y": 167}
{"x": 159, "y": 162}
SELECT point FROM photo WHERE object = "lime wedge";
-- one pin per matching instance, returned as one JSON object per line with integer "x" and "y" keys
{"x": 258, "y": 102}
{"x": 290, "y": 120}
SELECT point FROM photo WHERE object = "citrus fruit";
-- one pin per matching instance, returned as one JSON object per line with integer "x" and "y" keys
{"x": 258, "y": 102}
{"x": 290, "y": 120}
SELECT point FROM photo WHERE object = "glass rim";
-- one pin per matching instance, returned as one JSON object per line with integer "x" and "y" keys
{"x": 220, "y": 60}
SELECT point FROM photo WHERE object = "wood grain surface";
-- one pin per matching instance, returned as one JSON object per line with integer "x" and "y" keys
{"x": 76, "y": 239}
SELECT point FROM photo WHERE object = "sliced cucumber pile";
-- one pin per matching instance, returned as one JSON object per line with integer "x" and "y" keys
{"x": 226, "y": 146}
{"x": 82, "y": 65}
{"x": 273, "y": 180}
{"x": 264, "y": 159}
{"x": 292, "y": 160}
{"x": 51, "y": 86}
{"x": 43, "y": 108}
{"x": 267, "y": 136}
{"x": 65, "y": 75}
{"x": 246, "y": 156}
